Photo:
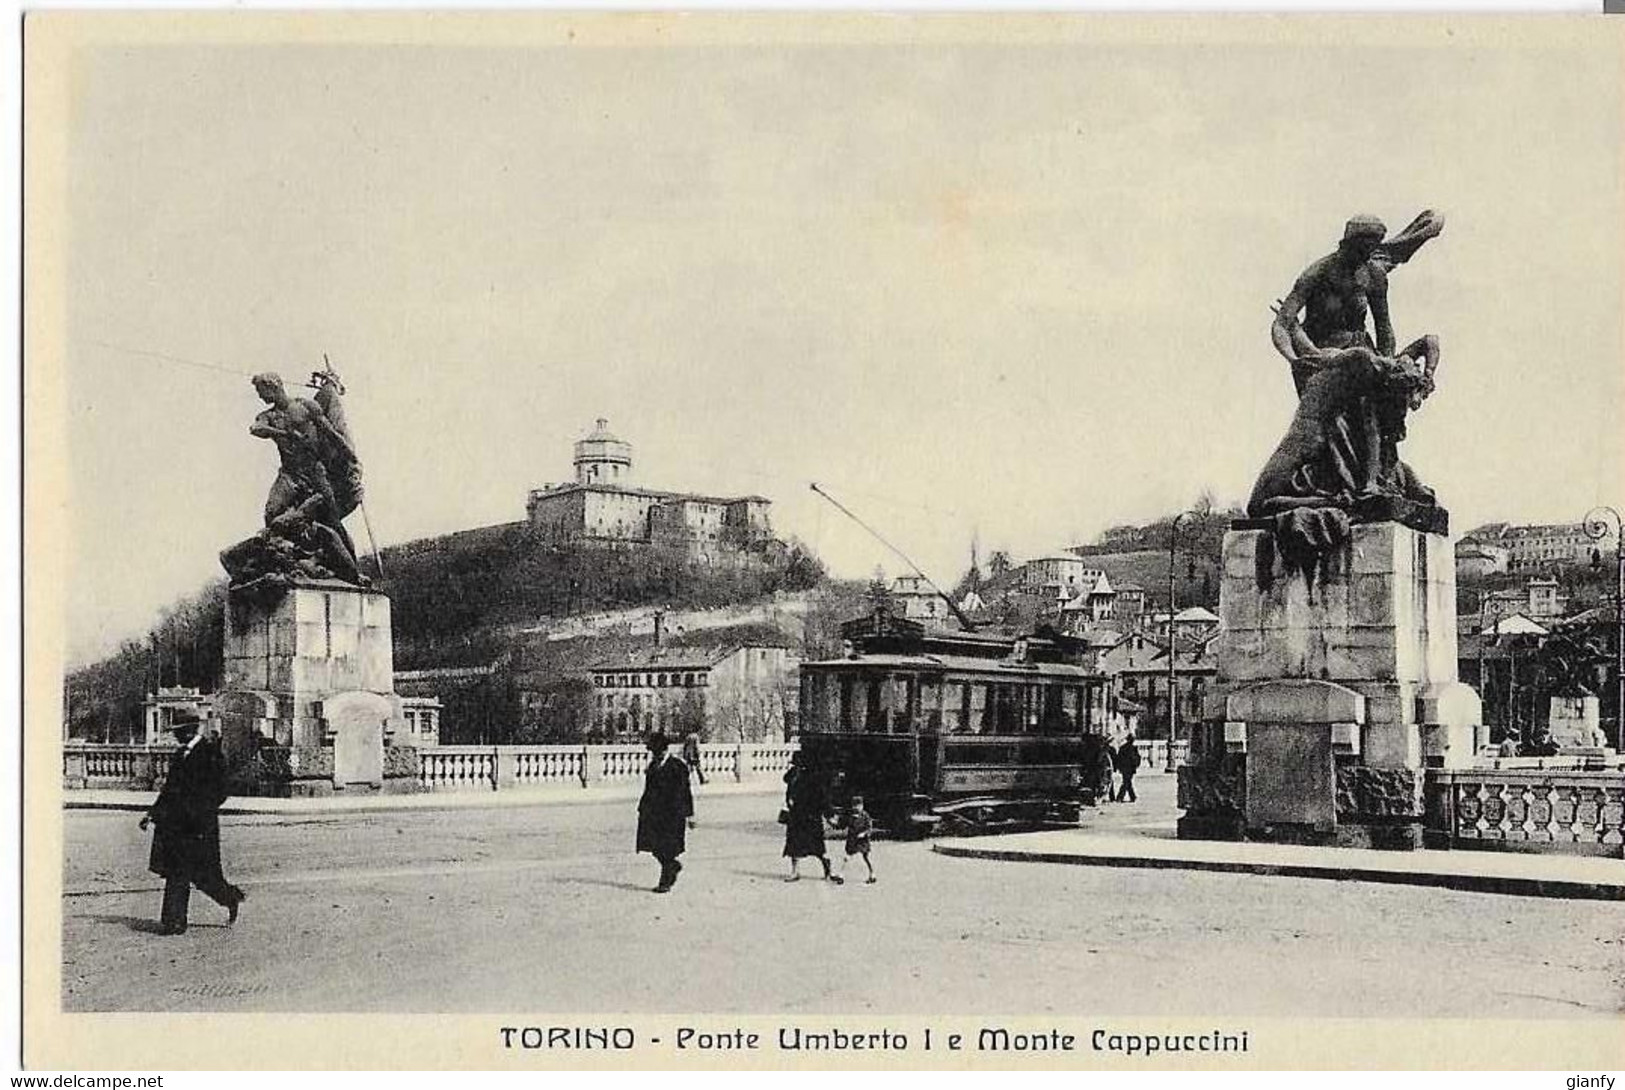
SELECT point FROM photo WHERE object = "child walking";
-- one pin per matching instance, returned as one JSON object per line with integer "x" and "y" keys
{"x": 859, "y": 826}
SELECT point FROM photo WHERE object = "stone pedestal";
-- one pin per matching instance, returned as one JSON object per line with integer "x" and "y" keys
{"x": 308, "y": 691}
{"x": 1336, "y": 686}
{"x": 1575, "y": 721}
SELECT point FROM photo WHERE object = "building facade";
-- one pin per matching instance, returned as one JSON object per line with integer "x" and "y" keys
{"x": 1540, "y": 546}
{"x": 601, "y": 504}
{"x": 731, "y": 693}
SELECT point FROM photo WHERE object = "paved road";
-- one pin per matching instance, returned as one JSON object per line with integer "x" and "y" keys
{"x": 546, "y": 909}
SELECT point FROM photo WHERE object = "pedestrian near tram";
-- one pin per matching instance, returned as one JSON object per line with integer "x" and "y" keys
{"x": 859, "y": 831}
{"x": 806, "y": 801}
{"x": 1128, "y": 763}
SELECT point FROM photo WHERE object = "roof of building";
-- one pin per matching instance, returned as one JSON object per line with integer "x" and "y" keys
{"x": 450, "y": 673}
{"x": 1196, "y": 613}
{"x": 1123, "y": 588}
{"x": 1516, "y": 624}
{"x": 960, "y": 663}
{"x": 570, "y": 487}
{"x": 670, "y": 657}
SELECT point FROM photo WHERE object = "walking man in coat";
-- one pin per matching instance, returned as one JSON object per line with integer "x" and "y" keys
{"x": 666, "y": 809}
{"x": 186, "y": 842}
{"x": 1128, "y": 763}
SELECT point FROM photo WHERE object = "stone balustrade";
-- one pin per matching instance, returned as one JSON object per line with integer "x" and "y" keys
{"x": 498, "y": 768}
{"x": 90, "y": 765}
{"x": 1527, "y": 809}
{"x": 95, "y": 765}
{"x": 1154, "y": 753}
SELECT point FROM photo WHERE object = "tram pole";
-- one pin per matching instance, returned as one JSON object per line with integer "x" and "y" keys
{"x": 1596, "y": 528}
{"x": 1173, "y": 650}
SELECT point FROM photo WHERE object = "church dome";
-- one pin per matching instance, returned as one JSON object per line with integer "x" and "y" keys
{"x": 602, "y": 457}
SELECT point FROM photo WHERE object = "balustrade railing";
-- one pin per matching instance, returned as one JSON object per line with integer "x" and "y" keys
{"x": 457, "y": 768}
{"x": 1154, "y": 753}
{"x": 1529, "y": 809}
{"x": 548, "y": 766}
{"x": 127, "y": 766}
{"x": 460, "y": 768}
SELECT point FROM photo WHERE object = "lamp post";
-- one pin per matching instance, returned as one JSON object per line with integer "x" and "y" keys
{"x": 1596, "y": 528}
{"x": 1173, "y": 649}
{"x": 1484, "y": 603}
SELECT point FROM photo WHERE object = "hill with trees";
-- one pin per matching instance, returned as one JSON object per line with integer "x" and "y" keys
{"x": 455, "y": 600}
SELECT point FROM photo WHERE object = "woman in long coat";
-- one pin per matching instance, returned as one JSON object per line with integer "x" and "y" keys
{"x": 665, "y": 810}
{"x": 806, "y": 800}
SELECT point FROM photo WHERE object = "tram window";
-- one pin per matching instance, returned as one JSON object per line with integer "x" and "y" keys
{"x": 906, "y": 705}
{"x": 981, "y": 710}
{"x": 961, "y": 721}
{"x": 846, "y": 705}
{"x": 1007, "y": 710}
{"x": 1055, "y": 719}
{"x": 874, "y": 717}
{"x": 931, "y": 694}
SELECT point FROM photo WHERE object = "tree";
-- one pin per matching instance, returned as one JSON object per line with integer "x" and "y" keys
{"x": 999, "y": 564}
{"x": 878, "y": 593}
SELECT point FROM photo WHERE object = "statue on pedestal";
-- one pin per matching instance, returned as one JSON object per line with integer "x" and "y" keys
{"x": 1339, "y": 459}
{"x": 318, "y": 483}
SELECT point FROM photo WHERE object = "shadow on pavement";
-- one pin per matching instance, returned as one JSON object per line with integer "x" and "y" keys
{"x": 607, "y": 883}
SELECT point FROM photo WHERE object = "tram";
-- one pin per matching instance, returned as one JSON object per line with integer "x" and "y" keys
{"x": 945, "y": 731}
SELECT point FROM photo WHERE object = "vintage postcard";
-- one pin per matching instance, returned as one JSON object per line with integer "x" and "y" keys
{"x": 823, "y": 541}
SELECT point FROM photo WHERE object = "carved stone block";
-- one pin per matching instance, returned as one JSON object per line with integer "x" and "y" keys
{"x": 1364, "y": 792}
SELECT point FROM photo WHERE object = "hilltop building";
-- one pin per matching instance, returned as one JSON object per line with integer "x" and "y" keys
{"x": 601, "y": 505}
{"x": 1539, "y": 546}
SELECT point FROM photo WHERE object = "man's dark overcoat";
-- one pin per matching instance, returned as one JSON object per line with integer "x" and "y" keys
{"x": 665, "y": 808}
{"x": 186, "y": 818}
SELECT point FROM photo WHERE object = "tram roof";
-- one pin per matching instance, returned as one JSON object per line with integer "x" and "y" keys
{"x": 956, "y": 664}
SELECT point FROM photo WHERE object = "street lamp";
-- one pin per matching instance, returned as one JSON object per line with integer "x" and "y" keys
{"x": 1484, "y": 602}
{"x": 1596, "y": 528}
{"x": 1173, "y": 682}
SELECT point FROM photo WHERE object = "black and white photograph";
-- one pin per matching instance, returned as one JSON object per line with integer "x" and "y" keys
{"x": 694, "y": 540}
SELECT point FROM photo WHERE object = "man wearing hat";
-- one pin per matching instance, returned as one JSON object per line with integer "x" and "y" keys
{"x": 666, "y": 809}
{"x": 186, "y": 842}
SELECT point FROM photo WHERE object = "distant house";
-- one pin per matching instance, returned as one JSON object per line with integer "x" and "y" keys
{"x": 1094, "y": 603}
{"x": 1191, "y": 623}
{"x": 1058, "y": 577}
{"x": 728, "y": 693}
{"x": 1130, "y": 604}
{"x": 1138, "y": 668}
{"x": 919, "y": 599}
{"x": 1476, "y": 559}
{"x": 1540, "y": 599}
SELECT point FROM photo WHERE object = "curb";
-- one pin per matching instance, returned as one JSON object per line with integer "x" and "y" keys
{"x": 1474, "y": 883}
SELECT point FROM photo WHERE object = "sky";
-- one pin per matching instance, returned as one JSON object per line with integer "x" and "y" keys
{"x": 1015, "y": 292}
